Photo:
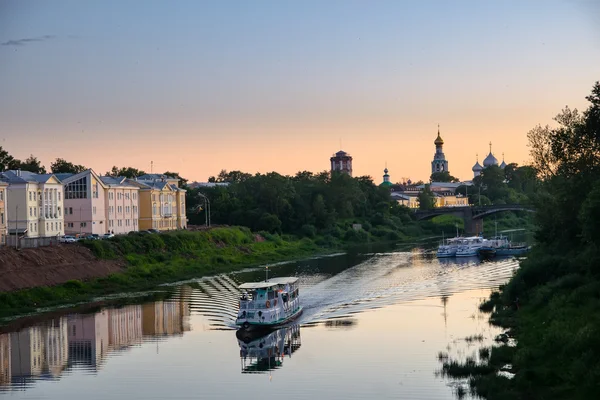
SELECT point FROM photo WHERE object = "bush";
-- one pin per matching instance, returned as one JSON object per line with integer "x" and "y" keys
{"x": 309, "y": 230}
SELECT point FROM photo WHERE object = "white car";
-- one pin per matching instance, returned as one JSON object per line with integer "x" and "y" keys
{"x": 67, "y": 239}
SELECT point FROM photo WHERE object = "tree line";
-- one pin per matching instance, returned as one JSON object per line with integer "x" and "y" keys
{"x": 306, "y": 203}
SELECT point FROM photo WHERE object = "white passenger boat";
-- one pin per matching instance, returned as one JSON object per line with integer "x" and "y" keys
{"x": 449, "y": 247}
{"x": 269, "y": 303}
{"x": 470, "y": 246}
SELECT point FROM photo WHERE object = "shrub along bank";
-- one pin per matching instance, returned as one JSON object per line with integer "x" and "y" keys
{"x": 550, "y": 306}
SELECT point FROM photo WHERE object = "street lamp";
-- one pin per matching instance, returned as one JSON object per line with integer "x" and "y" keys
{"x": 206, "y": 209}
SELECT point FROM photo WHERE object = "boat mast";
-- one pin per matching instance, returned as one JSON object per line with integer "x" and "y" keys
{"x": 266, "y": 273}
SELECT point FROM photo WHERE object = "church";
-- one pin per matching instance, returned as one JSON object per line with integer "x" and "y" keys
{"x": 488, "y": 161}
{"x": 439, "y": 163}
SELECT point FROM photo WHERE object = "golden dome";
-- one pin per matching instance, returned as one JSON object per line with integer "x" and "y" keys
{"x": 439, "y": 141}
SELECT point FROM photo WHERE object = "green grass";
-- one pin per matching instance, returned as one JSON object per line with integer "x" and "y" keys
{"x": 156, "y": 259}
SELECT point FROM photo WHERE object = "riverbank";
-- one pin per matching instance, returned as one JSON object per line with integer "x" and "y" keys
{"x": 551, "y": 345}
{"x": 141, "y": 262}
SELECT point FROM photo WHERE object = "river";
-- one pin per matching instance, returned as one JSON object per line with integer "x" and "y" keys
{"x": 373, "y": 328}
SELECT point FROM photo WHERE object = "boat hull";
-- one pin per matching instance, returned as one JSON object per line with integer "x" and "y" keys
{"x": 251, "y": 325}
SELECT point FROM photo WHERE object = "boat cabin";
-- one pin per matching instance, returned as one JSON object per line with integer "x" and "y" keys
{"x": 270, "y": 302}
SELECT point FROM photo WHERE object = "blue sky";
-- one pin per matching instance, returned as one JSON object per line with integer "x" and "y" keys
{"x": 198, "y": 86}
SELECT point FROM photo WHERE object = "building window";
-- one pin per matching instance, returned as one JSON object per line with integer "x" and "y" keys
{"x": 94, "y": 210}
{"x": 83, "y": 224}
{"x": 30, "y": 227}
{"x": 58, "y": 196}
{"x": 35, "y": 226}
{"x": 51, "y": 226}
{"x": 46, "y": 226}
{"x": 77, "y": 189}
{"x": 59, "y": 211}
{"x": 30, "y": 211}
{"x": 2, "y": 218}
{"x": 95, "y": 193}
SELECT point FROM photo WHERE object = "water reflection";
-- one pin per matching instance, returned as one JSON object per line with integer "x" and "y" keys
{"x": 261, "y": 354}
{"x": 82, "y": 341}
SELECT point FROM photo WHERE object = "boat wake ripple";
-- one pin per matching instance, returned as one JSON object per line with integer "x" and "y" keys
{"x": 382, "y": 280}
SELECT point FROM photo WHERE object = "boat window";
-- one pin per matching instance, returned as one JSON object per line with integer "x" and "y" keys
{"x": 271, "y": 295}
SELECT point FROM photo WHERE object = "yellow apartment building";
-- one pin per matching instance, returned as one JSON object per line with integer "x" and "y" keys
{"x": 162, "y": 203}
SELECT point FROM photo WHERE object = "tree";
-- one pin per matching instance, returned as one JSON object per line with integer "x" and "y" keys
{"x": 127, "y": 172}
{"x": 443, "y": 176}
{"x": 232, "y": 177}
{"x": 63, "y": 166}
{"x": 182, "y": 181}
{"x": 426, "y": 198}
{"x": 7, "y": 162}
{"x": 32, "y": 164}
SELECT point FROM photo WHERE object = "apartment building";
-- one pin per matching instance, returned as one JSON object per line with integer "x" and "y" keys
{"x": 35, "y": 204}
{"x": 3, "y": 194}
{"x": 99, "y": 204}
{"x": 162, "y": 202}
{"x": 122, "y": 204}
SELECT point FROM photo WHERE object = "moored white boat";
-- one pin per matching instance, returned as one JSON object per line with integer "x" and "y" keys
{"x": 269, "y": 303}
{"x": 449, "y": 247}
{"x": 470, "y": 246}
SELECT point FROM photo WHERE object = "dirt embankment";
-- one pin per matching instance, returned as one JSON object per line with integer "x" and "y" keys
{"x": 52, "y": 265}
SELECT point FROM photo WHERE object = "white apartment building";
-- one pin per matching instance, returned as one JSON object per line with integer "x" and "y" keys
{"x": 35, "y": 204}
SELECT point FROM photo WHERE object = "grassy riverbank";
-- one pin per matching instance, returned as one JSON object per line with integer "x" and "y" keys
{"x": 551, "y": 304}
{"x": 155, "y": 259}
{"x": 551, "y": 308}
{"x": 151, "y": 260}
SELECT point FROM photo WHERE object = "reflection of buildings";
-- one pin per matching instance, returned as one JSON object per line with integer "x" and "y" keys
{"x": 267, "y": 352}
{"x": 43, "y": 351}
{"x": 165, "y": 318}
{"x": 39, "y": 349}
{"x": 161, "y": 318}
{"x": 124, "y": 326}
{"x": 56, "y": 346}
{"x": 88, "y": 338}
{"x": 5, "y": 374}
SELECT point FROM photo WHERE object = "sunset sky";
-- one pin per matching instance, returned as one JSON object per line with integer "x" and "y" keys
{"x": 200, "y": 86}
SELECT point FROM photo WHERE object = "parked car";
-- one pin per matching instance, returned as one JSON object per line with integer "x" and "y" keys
{"x": 93, "y": 236}
{"x": 153, "y": 231}
{"x": 67, "y": 239}
{"x": 107, "y": 236}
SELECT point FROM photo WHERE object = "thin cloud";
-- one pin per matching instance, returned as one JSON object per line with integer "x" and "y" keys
{"x": 24, "y": 41}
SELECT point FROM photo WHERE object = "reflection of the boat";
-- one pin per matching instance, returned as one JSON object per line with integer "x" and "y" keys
{"x": 264, "y": 353}
{"x": 459, "y": 261}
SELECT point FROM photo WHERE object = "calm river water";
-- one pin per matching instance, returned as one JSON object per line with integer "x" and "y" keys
{"x": 373, "y": 326}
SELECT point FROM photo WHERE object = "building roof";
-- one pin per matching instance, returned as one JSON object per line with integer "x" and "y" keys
{"x": 438, "y": 141}
{"x": 207, "y": 184}
{"x": 63, "y": 175}
{"x": 477, "y": 167}
{"x": 341, "y": 153}
{"x": 490, "y": 160}
{"x": 269, "y": 283}
{"x": 117, "y": 181}
{"x": 503, "y": 164}
{"x": 13, "y": 176}
{"x": 155, "y": 177}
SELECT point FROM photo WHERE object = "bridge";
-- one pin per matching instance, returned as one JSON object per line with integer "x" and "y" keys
{"x": 472, "y": 215}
